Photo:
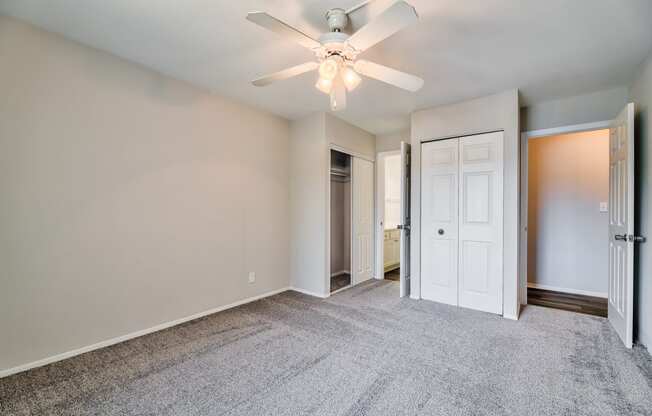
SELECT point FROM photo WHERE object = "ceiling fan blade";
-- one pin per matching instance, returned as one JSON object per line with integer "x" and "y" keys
{"x": 388, "y": 75}
{"x": 358, "y": 6}
{"x": 283, "y": 29}
{"x": 390, "y": 21}
{"x": 285, "y": 74}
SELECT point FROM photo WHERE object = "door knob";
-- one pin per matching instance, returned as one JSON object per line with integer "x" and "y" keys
{"x": 440, "y": 231}
{"x": 620, "y": 237}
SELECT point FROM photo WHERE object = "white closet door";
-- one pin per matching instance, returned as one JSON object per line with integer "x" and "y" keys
{"x": 621, "y": 225}
{"x": 481, "y": 222}
{"x": 363, "y": 213}
{"x": 439, "y": 222}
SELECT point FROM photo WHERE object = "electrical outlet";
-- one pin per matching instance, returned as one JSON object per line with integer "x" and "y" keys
{"x": 604, "y": 207}
{"x": 252, "y": 277}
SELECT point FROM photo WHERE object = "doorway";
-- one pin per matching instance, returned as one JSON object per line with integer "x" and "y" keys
{"x": 393, "y": 217}
{"x": 350, "y": 254}
{"x": 568, "y": 221}
{"x": 619, "y": 238}
{"x": 391, "y": 266}
{"x": 340, "y": 222}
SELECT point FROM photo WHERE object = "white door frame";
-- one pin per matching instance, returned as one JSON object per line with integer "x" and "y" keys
{"x": 379, "y": 226}
{"x": 523, "y": 193}
{"x": 352, "y": 153}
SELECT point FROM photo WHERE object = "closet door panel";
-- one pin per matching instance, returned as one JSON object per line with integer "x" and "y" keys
{"x": 439, "y": 219}
{"x": 363, "y": 213}
{"x": 481, "y": 222}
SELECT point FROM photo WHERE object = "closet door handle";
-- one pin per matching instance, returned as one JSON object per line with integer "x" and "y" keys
{"x": 440, "y": 231}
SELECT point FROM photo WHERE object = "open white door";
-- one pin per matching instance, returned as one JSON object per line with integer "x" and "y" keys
{"x": 405, "y": 219}
{"x": 363, "y": 214}
{"x": 621, "y": 224}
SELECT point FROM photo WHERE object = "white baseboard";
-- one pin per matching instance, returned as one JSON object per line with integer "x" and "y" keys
{"x": 510, "y": 317}
{"x": 309, "y": 293}
{"x": 340, "y": 272}
{"x": 123, "y": 338}
{"x": 566, "y": 290}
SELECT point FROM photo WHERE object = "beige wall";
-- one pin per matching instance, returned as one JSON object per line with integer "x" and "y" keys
{"x": 579, "y": 109}
{"x": 486, "y": 114}
{"x": 128, "y": 199}
{"x": 568, "y": 178}
{"x": 389, "y": 142}
{"x": 309, "y": 165}
{"x": 641, "y": 95}
{"x": 310, "y": 189}
{"x": 340, "y": 226}
{"x": 349, "y": 137}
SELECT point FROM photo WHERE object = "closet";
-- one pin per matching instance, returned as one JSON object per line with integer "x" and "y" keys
{"x": 340, "y": 219}
{"x": 462, "y": 221}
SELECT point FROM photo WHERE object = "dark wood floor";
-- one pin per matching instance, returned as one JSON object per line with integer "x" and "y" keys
{"x": 394, "y": 275}
{"x": 569, "y": 302}
{"x": 340, "y": 281}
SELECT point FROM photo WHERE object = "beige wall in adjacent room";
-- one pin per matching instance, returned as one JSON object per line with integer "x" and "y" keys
{"x": 568, "y": 178}
{"x": 128, "y": 199}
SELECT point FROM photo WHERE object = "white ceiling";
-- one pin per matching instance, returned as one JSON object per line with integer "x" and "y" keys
{"x": 461, "y": 48}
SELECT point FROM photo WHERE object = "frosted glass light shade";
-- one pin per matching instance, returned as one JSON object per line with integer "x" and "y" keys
{"x": 324, "y": 85}
{"x": 350, "y": 78}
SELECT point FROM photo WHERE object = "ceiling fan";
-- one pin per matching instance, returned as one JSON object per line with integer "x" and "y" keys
{"x": 336, "y": 52}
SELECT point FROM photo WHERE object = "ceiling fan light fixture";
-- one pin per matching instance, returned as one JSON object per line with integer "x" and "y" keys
{"x": 350, "y": 78}
{"x": 324, "y": 85}
{"x": 336, "y": 52}
{"x": 330, "y": 67}
{"x": 338, "y": 95}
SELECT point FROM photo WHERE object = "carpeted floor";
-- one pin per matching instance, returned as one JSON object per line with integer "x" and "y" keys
{"x": 363, "y": 351}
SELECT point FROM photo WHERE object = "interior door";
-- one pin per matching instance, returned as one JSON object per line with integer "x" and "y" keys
{"x": 405, "y": 220}
{"x": 621, "y": 224}
{"x": 439, "y": 220}
{"x": 481, "y": 222}
{"x": 363, "y": 213}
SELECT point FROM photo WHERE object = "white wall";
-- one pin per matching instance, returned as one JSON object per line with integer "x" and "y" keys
{"x": 580, "y": 109}
{"x": 392, "y": 194}
{"x": 389, "y": 142}
{"x": 641, "y": 95}
{"x": 128, "y": 199}
{"x": 492, "y": 113}
{"x": 568, "y": 178}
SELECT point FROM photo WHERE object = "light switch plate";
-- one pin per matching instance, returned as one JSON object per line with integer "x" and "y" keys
{"x": 604, "y": 207}
{"x": 252, "y": 277}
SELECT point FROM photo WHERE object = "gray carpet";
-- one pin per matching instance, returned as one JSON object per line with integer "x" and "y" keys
{"x": 364, "y": 351}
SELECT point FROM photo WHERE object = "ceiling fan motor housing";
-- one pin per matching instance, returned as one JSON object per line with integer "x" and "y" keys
{"x": 337, "y": 19}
